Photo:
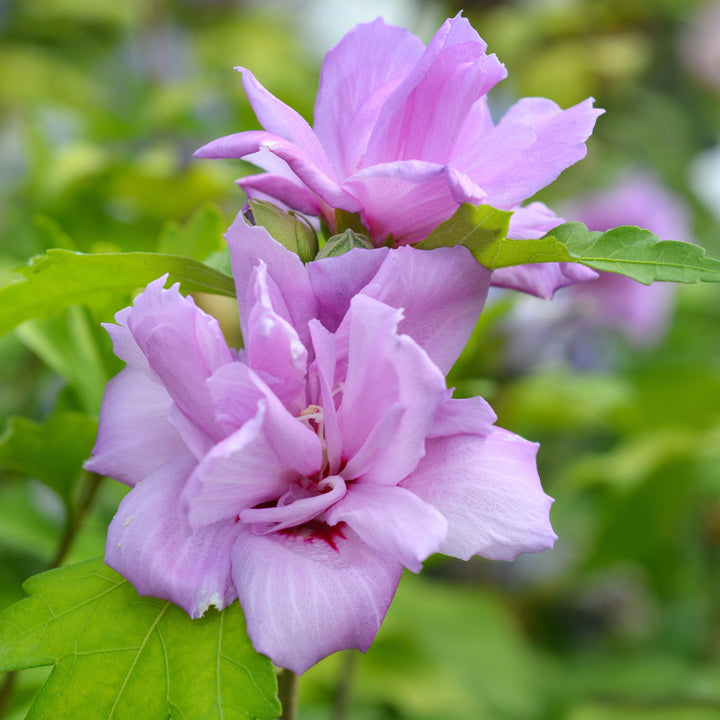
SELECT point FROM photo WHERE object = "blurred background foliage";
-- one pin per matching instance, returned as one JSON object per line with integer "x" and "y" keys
{"x": 102, "y": 104}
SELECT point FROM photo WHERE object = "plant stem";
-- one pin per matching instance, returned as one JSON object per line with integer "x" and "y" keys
{"x": 287, "y": 692}
{"x": 341, "y": 706}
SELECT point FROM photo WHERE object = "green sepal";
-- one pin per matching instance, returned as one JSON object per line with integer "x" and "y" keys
{"x": 288, "y": 228}
{"x": 340, "y": 244}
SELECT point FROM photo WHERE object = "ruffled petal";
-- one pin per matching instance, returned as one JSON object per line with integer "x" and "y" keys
{"x": 488, "y": 489}
{"x": 459, "y": 416}
{"x": 542, "y": 279}
{"x": 151, "y": 544}
{"x": 392, "y": 520}
{"x": 336, "y": 280}
{"x": 441, "y": 293}
{"x": 358, "y": 75}
{"x": 184, "y": 346}
{"x": 134, "y": 434}
{"x": 422, "y": 117}
{"x": 308, "y": 595}
{"x": 560, "y": 143}
{"x": 408, "y": 199}
{"x": 273, "y": 347}
{"x": 386, "y": 369}
{"x": 248, "y": 246}
{"x": 254, "y": 465}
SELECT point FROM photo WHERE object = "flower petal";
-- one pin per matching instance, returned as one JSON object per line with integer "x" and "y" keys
{"x": 336, "y": 280}
{"x": 408, "y": 199}
{"x": 134, "y": 434}
{"x": 488, "y": 489}
{"x": 357, "y": 76}
{"x": 248, "y": 246}
{"x": 542, "y": 279}
{"x": 422, "y": 117}
{"x": 253, "y": 465}
{"x": 280, "y": 189}
{"x": 384, "y": 369}
{"x": 560, "y": 143}
{"x": 151, "y": 545}
{"x": 307, "y": 596}
{"x": 441, "y": 293}
{"x": 184, "y": 346}
{"x": 459, "y": 416}
{"x": 392, "y": 520}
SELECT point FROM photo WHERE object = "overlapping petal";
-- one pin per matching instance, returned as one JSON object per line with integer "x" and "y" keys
{"x": 306, "y": 596}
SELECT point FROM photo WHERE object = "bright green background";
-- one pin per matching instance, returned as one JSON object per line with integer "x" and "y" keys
{"x": 101, "y": 106}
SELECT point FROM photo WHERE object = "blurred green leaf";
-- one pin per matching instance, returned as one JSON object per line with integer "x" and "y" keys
{"x": 102, "y": 281}
{"x": 52, "y": 452}
{"x": 198, "y": 238}
{"x": 117, "y": 655}
{"x": 69, "y": 345}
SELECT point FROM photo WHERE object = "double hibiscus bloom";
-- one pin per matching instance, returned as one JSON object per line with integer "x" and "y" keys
{"x": 302, "y": 473}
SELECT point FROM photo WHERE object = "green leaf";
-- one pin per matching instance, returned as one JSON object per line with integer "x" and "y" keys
{"x": 483, "y": 230}
{"x": 201, "y": 236}
{"x": 52, "y": 452}
{"x": 627, "y": 250}
{"x": 637, "y": 253}
{"x": 123, "y": 657}
{"x": 102, "y": 281}
{"x": 345, "y": 242}
{"x": 68, "y": 344}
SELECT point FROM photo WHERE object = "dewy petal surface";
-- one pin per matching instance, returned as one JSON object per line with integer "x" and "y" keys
{"x": 150, "y": 544}
{"x": 488, "y": 489}
{"x": 305, "y": 599}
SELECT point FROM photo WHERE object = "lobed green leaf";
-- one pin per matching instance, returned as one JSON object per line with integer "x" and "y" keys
{"x": 102, "y": 281}
{"x": 118, "y": 656}
{"x": 637, "y": 253}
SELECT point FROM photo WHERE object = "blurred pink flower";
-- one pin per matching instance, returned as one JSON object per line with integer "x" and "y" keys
{"x": 640, "y": 312}
{"x": 403, "y": 135}
{"x": 303, "y": 473}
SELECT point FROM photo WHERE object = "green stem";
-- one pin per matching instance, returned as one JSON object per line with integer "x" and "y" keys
{"x": 341, "y": 706}
{"x": 287, "y": 692}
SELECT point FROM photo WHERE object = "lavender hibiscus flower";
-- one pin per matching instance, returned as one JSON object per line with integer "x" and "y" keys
{"x": 403, "y": 136}
{"x": 303, "y": 473}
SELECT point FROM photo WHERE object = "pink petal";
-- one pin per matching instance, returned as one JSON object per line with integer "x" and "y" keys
{"x": 151, "y": 545}
{"x": 305, "y": 599}
{"x": 422, "y": 117}
{"x": 278, "y": 188}
{"x": 244, "y": 470}
{"x": 281, "y": 120}
{"x": 409, "y": 198}
{"x": 273, "y": 347}
{"x": 184, "y": 346}
{"x": 392, "y": 520}
{"x": 248, "y": 246}
{"x": 488, "y": 489}
{"x": 299, "y": 510}
{"x": 441, "y": 293}
{"x": 304, "y": 167}
{"x": 542, "y": 279}
{"x": 336, "y": 280}
{"x": 459, "y": 416}
{"x": 357, "y": 76}
{"x": 384, "y": 369}
{"x": 560, "y": 143}
{"x": 134, "y": 435}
